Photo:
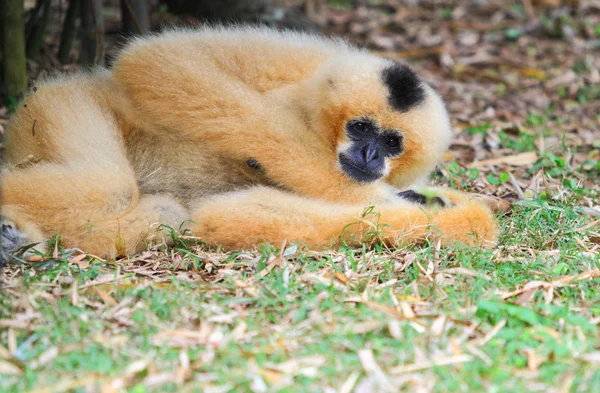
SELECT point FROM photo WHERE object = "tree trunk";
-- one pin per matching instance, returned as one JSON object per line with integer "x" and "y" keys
{"x": 92, "y": 33}
{"x": 36, "y": 26}
{"x": 69, "y": 31}
{"x": 15, "y": 71}
{"x": 136, "y": 16}
{"x": 1, "y": 47}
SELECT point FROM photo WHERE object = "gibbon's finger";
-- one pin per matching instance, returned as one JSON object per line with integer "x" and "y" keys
{"x": 422, "y": 199}
{"x": 496, "y": 205}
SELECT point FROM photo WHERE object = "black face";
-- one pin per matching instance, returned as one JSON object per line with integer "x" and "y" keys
{"x": 364, "y": 160}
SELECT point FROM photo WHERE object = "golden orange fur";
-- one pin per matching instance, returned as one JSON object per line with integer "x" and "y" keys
{"x": 167, "y": 134}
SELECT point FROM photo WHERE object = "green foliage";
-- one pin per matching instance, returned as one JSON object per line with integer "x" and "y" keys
{"x": 340, "y": 3}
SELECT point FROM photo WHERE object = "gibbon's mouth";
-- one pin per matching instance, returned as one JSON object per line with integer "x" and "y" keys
{"x": 357, "y": 172}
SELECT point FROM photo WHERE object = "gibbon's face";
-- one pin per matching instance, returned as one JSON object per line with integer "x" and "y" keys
{"x": 366, "y": 157}
{"x": 386, "y": 122}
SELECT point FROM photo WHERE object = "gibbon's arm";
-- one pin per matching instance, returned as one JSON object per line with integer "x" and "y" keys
{"x": 213, "y": 73}
{"x": 266, "y": 214}
{"x": 208, "y": 86}
{"x": 294, "y": 166}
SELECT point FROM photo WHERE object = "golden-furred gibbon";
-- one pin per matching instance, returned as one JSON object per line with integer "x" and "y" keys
{"x": 243, "y": 135}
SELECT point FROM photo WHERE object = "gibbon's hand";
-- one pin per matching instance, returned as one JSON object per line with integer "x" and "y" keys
{"x": 425, "y": 196}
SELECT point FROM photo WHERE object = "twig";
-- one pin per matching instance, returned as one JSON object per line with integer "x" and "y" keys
{"x": 516, "y": 186}
{"x": 133, "y": 16}
{"x": 529, "y": 9}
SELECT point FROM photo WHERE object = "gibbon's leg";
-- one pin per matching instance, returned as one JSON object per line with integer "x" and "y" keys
{"x": 88, "y": 207}
{"x": 80, "y": 184}
{"x": 245, "y": 218}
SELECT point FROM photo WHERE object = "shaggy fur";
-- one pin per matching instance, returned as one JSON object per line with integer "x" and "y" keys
{"x": 237, "y": 133}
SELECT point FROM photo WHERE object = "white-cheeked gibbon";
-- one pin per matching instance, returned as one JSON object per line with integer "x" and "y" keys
{"x": 243, "y": 135}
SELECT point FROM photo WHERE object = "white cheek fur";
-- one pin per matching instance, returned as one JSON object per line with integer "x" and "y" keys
{"x": 342, "y": 147}
{"x": 386, "y": 168}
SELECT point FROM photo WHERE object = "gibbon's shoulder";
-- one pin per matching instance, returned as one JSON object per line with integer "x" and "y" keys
{"x": 67, "y": 89}
{"x": 81, "y": 78}
{"x": 242, "y": 36}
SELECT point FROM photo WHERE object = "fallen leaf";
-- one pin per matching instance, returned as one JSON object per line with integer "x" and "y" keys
{"x": 438, "y": 362}
{"x": 9, "y": 368}
{"x": 522, "y": 159}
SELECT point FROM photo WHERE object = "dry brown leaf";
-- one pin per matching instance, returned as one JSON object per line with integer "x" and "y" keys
{"x": 4, "y": 353}
{"x": 491, "y": 334}
{"x": 109, "y": 300}
{"x": 376, "y": 306}
{"x": 365, "y": 327}
{"x": 407, "y": 311}
{"x": 14, "y": 323}
{"x": 437, "y": 327}
{"x": 534, "y": 73}
{"x": 68, "y": 384}
{"x": 533, "y": 362}
{"x": 78, "y": 258}
{"x": 395, "y": 329}
{"x": 9, "y": 368}
{"x": 369, "y": 364}
{"x": 522, "y": 159}
{"x": 438, "y": 362}
{"x": 592, "y": 357}
{"x": 349, "y": 383}
{"x": 466, "y": 272}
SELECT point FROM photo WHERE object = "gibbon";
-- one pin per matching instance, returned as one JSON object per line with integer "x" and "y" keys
{"x": 240, "y": 135}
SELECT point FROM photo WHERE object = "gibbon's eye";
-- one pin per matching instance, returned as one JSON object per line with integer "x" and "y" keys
{"x": 392, "y": 141}
{"x": 361, "y": 126}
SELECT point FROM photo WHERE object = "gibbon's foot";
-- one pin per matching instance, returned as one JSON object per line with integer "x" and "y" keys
{"x": 10, "y": 240}
{"x": 423, "y": 199}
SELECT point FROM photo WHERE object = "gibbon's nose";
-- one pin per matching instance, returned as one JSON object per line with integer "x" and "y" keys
{"x": 369, "y": 153}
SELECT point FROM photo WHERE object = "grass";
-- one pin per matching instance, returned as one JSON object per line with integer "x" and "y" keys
{"x": 521, "y": 317}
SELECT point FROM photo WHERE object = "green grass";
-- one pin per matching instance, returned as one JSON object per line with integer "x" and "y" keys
{"x": 429, "y": 317}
